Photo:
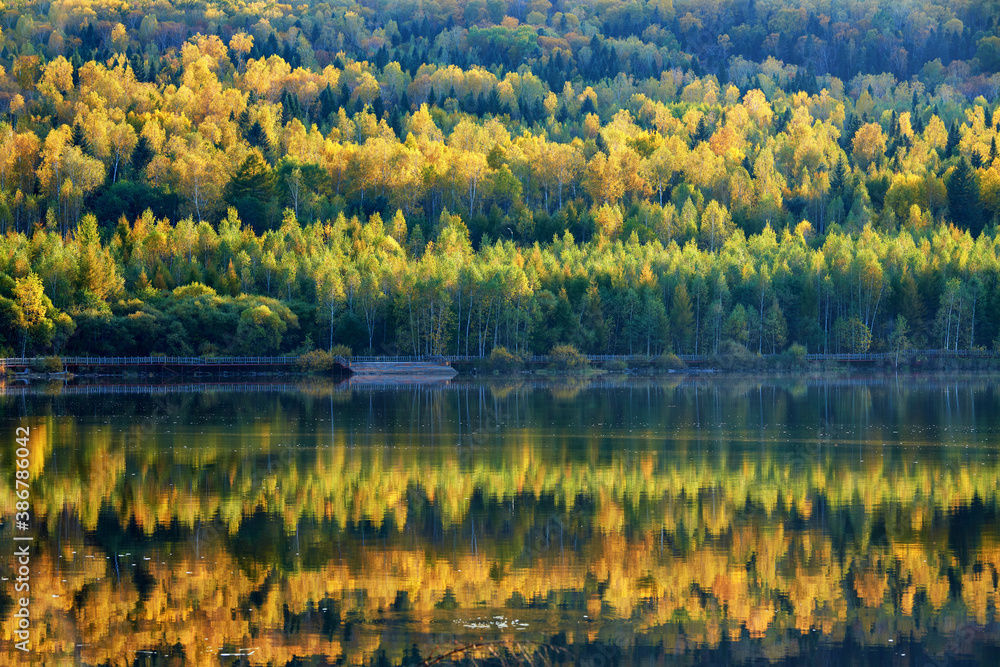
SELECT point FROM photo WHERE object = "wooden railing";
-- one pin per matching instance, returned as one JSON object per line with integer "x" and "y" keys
{"x": 207, "y": 362}
{"x": 880, "y": 356}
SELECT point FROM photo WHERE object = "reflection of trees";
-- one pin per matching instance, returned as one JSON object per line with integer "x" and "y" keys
{"x": 770, "y": 583}
{"x": 639, "y": 451}
{"x": 758, "y": 521}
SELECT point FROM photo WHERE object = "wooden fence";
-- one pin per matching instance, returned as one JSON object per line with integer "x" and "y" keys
{"x": 271, "y": 361}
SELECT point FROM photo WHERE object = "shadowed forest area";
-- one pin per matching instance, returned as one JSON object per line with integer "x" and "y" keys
{"x": 729, "y": 177}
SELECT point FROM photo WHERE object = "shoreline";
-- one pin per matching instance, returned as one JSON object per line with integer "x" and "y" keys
{"x": 52, "y": 382}
{"x": 575, "y": 363}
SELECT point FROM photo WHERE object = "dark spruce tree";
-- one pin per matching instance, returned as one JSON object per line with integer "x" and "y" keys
{"x": 963, "y": 198}
{"x": 953, "y": 138}
{"x": 79, "y": 138}
{"x": 138, "y": 67}
{"x": 271, "y": 45}
{"x": 327, "y": 103}
{"x": 142, "y": 155}
{"x": 251, "y": 190}
{"x": 77, "y": 62}
{"x": 289, "y": 107}
{"x": 853, "y": 125}
{"x": 257, "y": 137}
{"x": 838, "y": 178}
{"x": 702, "y": 132}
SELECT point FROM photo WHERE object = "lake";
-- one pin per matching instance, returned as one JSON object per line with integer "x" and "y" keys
{"x": 679, "y": 520}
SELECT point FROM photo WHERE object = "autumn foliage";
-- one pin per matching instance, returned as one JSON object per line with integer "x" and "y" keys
{"x": 451, "y": 177}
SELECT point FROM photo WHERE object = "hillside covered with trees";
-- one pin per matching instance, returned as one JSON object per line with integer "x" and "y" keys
{"x": 440, "y": 177}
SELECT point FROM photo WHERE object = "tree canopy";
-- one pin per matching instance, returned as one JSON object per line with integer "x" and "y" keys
{"x": 263, "y": 156}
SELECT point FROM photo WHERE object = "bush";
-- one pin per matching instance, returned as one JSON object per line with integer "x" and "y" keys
{"x": 669, "y": 361}
{"x": 52, "y": 365}
{"x": 734, "y": 356}
{"x": 503, "y": 361}
{"x": 193, "y": 291}
{"x": 317, "y": 361}
{"x": 208, "y": 350}
{"x": 567, "y": 358}
{"x": 617, "y": 366}
{"x": 260, "y": 330}
{"x": 796, "y": 354}
{"x": 341, "y": 351}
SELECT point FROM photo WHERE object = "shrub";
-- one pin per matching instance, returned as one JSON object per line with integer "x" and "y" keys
{"x": 208, "y": 350}
{"x": 341, "y": 351}
{"x": 52, "y": 365}
{"x": 669, "y": 361}
{"x": 567, "y": 358}
{"x": 193, "y": 291}
{"x": 732, "y": 355}
{"x": 502, "y": 360}
{"x": 317, "y": 361}
{"x": 796, "y": 354}
{"x": 616, "y": 365}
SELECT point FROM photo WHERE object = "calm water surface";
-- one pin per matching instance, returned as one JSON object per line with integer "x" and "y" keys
{"x": 688, "y": 522}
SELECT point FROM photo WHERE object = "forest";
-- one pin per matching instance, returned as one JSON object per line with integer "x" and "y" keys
{"x": 727, "y": 177}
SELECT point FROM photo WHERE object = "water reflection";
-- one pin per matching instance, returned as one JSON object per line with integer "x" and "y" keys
{"x": 719, "y": 521}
